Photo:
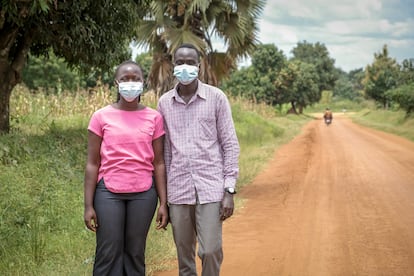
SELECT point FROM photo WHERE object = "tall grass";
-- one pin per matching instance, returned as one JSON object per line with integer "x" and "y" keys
{"x": 41, "y": 179}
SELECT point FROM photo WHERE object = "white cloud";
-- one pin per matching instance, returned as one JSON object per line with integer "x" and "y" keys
{"x": 351, "y": 30}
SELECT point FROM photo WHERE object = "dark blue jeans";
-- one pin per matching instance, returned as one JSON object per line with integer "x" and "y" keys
{"x": 123, "y": 224}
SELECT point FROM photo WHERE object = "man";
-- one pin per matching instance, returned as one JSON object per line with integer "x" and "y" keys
{"x": 328, "y": 116}
{"x": 201, "y": 158}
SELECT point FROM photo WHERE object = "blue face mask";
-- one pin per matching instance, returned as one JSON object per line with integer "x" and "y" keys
{"x": 130, "y": 90}
{"x": 186, "y": 73}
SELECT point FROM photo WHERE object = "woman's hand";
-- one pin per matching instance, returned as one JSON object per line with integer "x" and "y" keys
{"x": 91, "y": 221}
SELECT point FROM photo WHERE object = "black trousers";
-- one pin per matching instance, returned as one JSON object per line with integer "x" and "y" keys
{"x": 123, "y": 224}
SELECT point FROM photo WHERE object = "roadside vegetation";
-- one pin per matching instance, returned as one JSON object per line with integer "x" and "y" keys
{"x": 392, "y": 121}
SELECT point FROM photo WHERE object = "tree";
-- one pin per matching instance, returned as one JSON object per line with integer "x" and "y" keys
{"x": 241, "y": 83}
{"x": 171, "y": 23}
{"x": 404, "y": 96}
{"x": 267, "y": 59}
{"x": 249, "y": 84}
{"x": 318, "y": 55}
{"x": 356, "y": 77}
{"x": 343, "y": 89}
{"x": 145, "y": 61}
{"x": 85, "y": 33}
{"x": 297, "y": 84}
{"x": 380, "y": 76}
{"x": 407, "y": 71}
{"x": 256, "y": 81}
{"x": 348, "y": 85}
{"x": 50, "y": 73}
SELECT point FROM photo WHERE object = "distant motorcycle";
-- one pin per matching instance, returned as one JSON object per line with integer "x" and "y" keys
{"x": 327, "y": 116}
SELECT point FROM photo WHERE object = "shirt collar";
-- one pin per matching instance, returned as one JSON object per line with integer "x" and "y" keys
{"x": 200, "y": 92}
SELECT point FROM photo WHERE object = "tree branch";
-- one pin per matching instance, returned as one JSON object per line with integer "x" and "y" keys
{"x": 8, "y": 36}
{"x": 21, "y": 53}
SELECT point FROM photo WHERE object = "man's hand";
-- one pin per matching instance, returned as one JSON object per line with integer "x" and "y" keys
{"x": 162, "y": 217}
{"x": 227, "y": 206}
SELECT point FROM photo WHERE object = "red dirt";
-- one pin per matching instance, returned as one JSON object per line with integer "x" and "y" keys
{"x": 336, "y": 200}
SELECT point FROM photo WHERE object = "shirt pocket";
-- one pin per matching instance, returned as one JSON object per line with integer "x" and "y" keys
{"x": 207, "y": 128}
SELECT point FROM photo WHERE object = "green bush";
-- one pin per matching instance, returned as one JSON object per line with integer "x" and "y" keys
{"x": 403, "y": 96}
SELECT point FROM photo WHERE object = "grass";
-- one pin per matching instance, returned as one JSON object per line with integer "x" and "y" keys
{"x": 42, "y": 164}
{"x": 395, "y": 122}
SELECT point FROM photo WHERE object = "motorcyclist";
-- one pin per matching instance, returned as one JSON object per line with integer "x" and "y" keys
{"x": 328, "y": 116}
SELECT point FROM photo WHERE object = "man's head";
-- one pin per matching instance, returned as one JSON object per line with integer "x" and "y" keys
{"x": 186, "y": 53}
{"x": 186, "y": 63}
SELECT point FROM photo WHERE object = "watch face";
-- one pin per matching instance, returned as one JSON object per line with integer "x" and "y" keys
{"x": 231, "y": 190}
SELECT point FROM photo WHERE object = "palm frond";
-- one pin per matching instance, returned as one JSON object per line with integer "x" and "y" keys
{"x": 160, "y": 77}
{"x": 171, "y": 23}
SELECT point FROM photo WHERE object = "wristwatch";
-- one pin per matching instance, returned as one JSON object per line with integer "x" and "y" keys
{"x": 230, "y": 190}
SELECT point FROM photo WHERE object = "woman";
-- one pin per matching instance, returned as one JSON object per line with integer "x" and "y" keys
{"x": 125, "y": 172}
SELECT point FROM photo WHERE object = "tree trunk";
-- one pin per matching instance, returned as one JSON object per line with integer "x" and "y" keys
{"x": 13, "y": 55}
{"x": 7, "y": 83}
{"x": 5, "y": 92}
{"x": 292, "y": 110}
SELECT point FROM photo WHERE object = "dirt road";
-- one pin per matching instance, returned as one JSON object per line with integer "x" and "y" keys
{"x": 337, "y": 200}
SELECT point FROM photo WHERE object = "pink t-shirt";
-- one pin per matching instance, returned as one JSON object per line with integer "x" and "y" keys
{"x": 126, "y": 150}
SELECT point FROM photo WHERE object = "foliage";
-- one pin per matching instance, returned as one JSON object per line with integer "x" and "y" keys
{"x": 145, "y": 61}
{"x": 356, "y": 77}
{"x": 407, "y": 71}
{"x": 339, "y": 105}
{"x": 257, "y": 81}
{"x": 380, "y": 76}
{"x": 240, "y": 83}
{"x": 171, "y": 23}
{"x": 267, "y": 59}
{"x": 90, "y": 34}
{"x": 318, "y": 55}
{"x": 403, "y": 96}
{"x": 297, "y": 84}
{"x": 348, "y": 86}
{"x": 343, "y": 88}
{"x": 51, "y": 74}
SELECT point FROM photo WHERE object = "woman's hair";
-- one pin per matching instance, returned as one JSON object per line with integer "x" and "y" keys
{"x": 126, "y": 63}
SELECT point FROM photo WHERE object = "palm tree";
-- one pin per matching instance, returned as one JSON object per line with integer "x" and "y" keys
{"x": 171, "y": 23}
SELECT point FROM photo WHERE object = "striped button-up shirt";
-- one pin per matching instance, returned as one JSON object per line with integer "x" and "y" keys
{"x": 201, "y": 146}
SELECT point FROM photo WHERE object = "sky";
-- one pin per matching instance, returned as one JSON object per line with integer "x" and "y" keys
{"x": 352, "y": 30}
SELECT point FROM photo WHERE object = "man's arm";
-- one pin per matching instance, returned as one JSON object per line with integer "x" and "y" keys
{"x": 229, "y": 143}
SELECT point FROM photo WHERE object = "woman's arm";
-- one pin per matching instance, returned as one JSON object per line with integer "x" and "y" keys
{"x": 91, "y": 177}
{"x": 160, "y": 182}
